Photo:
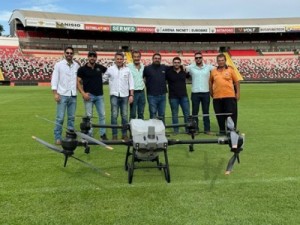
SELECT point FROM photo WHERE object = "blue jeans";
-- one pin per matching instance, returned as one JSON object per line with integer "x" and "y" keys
{"x": 204, "y": 99}
{"x": 157, "y": 106}
{"x": 66, "y": 103}
{"x": 116, "y": 104}
{"x": 98, "y": 101}
{"x": 185, "y": 107}
{"x": 138, "y": 105}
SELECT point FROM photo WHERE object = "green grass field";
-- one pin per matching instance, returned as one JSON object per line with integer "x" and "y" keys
{"x": 264, "y": 189}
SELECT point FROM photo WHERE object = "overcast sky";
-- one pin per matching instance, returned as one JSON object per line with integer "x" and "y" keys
{"x": 172, "y": 9}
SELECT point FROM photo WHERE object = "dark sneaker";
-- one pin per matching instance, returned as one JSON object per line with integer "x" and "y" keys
{"x": 221, "y": 134}
{"x": 103, "y": 137}
{"x": 209, "y": 133}
{"x": 114, "y": 138}
{"x": 125, "y": 138}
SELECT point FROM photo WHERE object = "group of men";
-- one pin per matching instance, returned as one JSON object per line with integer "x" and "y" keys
{"x": 127, "y": 84}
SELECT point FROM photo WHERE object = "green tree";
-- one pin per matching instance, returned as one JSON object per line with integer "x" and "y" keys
{"x": 1, "y": 29}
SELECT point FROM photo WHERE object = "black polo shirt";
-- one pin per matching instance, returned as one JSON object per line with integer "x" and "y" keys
{"x": 176, "y": 83}
{"x": 92, "y": 78}
{"x": 155, "y": 77}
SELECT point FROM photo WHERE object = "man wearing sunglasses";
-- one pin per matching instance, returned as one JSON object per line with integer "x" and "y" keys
{"x": 63, "y": 85}
{"x": 200, "y": 74}
{"x": 89, "y": 84}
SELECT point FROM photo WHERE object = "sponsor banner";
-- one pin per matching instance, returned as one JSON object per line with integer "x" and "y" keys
{"x": 271, "y": 29}
{"x": 198, "y": 30}
{"x": 246, "y": 29}
{"x": 145, "y": 29}
{"x": 97, "y": 27}
{"x": 69, "y": 25}
{"x": 223, "y": 30}
{"x": 118, "y": 28}
{"x": 39, "y": 23}
{"x": 182, "y": 29}
{"x": 292, "y": 29}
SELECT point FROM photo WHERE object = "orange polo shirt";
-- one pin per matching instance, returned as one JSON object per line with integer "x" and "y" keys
{"x": 222, "y": 82}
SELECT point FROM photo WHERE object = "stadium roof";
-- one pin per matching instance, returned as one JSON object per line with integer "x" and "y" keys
{"x": 101, "y": 23}
{"x": 22, "y": 15}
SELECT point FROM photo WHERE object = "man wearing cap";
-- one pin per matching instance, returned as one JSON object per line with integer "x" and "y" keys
{"x": 121, "y": 89}
{"x": 137, "y": 68}
{"x": 89, "y": 84}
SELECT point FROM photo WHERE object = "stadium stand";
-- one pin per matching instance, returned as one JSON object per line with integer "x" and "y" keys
{"x": 268, "y": 68}
{"x": 256, "y": 48}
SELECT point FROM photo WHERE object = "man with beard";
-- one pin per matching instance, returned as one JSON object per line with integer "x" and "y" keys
{"x": 137, "y": 68}
{"x": 63, "y": 85}
{"x": 178, "y": 96}
{"x": 155, "y": 79}
{"x": 225, "y": 90}
{"x": 200, "y": 73}
{"x": 89, "y": 84}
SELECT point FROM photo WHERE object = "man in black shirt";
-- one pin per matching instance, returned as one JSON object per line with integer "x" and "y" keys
{"x": 89, "y": 84}
{"x": 176, "y": 77}
{"x": 155, "y": 80}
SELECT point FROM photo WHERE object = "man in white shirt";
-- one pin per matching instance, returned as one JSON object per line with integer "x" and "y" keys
{"x": 121, "y": 90}
{"x": 63, "y": 85}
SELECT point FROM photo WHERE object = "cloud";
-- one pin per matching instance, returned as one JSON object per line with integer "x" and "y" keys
{"x": 5, "y": 15}
{"x": 202, "y": 9}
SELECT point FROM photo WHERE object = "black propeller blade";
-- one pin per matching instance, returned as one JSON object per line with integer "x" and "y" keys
{"x": 48, "y": 145}
{"x": 67, "y": 155}
{"x": 91, "y": 166}
{"x": 82, "y": 135}
{"x": 231, "y": 163}
{"x": 89, "y": 138}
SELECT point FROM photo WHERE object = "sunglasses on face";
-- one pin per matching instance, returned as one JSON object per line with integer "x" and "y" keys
{"x": 69, "y": 53}
{"x": 198, "y": 57}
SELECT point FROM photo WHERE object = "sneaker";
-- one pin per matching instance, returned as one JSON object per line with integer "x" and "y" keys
{"x": 208, "y": 133}
{"x": 103, "y": 137}
{"x": 221, "y": 134}
{"x": 124, "y": 137}
{"x": 114, "y": 138}
{"x": 58, "y": 142}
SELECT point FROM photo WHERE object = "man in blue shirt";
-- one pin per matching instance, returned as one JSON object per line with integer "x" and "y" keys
{"x": 155, "y": 79}
{"x": 200, "y": 74}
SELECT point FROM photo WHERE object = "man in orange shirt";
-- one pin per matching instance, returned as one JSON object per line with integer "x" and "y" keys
{"x": 224, "y": 88}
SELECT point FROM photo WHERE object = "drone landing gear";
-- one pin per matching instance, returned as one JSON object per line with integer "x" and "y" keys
{"x": 131, "y": 166}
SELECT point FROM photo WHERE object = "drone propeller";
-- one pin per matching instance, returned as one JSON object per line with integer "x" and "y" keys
{"x": 89, "y": 138}
{"x": 48, "y": 145}
{"x": 231, "y": 163}
{"x": 67, "y": 155}
{"x": 82, "y": 135}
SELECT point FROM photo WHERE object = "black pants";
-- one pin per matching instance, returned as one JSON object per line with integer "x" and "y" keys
{"x": 225, "y": 105}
